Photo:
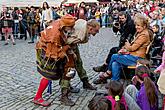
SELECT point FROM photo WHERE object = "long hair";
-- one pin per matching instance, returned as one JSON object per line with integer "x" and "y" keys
{"x": 116, "y": 89}
{"x": 47, "y": 6}
{"x": 143, "y": 73}
{"x": 99, "y": 103}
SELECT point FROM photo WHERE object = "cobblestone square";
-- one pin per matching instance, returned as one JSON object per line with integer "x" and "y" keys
{"x": 19, "y": 79}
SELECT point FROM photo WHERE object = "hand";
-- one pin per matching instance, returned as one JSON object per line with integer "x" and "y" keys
{"x": 2, "y": 17}
{"x": 127, "y": 44}
{"x": 134, "y": 80}
{"x": 156, "y": 71}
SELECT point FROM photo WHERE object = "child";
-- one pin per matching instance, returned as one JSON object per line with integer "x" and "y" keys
{"x": 99, "y": 103}
{"x": 116, "y": 100}
{"x": 115, "y": 95}
{"x": 147, "y": 96}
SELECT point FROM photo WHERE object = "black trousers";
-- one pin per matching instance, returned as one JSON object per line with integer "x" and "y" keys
{"x": 112, "y": 51}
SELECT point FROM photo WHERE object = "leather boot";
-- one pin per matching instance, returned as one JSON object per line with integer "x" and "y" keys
{"x": 102, "y": 68}
{"x": 87, "y": 85}
{"x": 64, "y": 98}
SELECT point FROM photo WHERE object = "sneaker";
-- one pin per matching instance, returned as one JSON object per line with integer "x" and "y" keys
{"x": 31, "y": 42}
{"x": 14, "y": 43}
{"x": 6, "y": 43}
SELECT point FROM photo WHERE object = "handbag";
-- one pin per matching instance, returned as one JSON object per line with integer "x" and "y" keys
{"x": 161, "y": 82}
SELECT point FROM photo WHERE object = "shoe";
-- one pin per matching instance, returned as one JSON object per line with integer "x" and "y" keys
{"x": 30, "y": 42}
{"x": 25, "y": 38}
{"x": 102, "y": 68}
{"x": 64, "y": 98}
{"x": 87, "y": 85}
{"x": 74, "y": 90}
{"x": 100, "y": 81}
{"x": 41, "y": 102}
{"x": 6, "y": 43}
{"x": 14, "y": 43}
{"x": 103, "y": 78}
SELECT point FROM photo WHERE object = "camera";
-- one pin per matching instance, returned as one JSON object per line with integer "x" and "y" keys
{"x": 116, "y": 26}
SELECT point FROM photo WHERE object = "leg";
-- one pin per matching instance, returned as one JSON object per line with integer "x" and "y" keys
{"x": 81, "y": 71}
{"x": 12, "y": 38}
{"x": 132, "y": 105}
{"x": 114, "y": 75}
{"x": 11, "y": 35}
{"x": 4, "y": 31}
{"x": 115, "y": 64}
{"x": 38, "y": 98}
{"x": 132, "y": 91}
{"x": 130, "y": 96}
{"x": 104, "y": 67}
{"x": 116, "y": 69}
{"x": 126, "y": 60}
{"x": 31, "y": 34}
{"x": 65, "y": 83}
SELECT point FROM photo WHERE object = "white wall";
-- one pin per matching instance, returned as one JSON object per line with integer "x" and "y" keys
{"x": 25, "y": 3}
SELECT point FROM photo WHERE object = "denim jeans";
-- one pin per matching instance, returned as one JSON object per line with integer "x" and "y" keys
{"x": 103, "y": 20}
{"x": 118, "y": 61}
{"x": 16, "y": 25}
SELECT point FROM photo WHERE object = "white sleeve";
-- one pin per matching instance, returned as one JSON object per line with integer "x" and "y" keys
{"x": 51, "y": 14}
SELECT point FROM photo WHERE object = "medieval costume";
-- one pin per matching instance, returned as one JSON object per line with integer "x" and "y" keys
{"x": 55, "y": 58}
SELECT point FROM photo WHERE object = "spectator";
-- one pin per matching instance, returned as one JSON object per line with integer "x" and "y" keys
{"x": 98, "y": 15}
{"x": 157, "y": 44}
{"x": 155, "y": 20}
{"x": 15, "y": 14}
{"x": 47, "y": 15}
{"x": 23, "y": 27}
{"x": 130, "y": 52}
{"x": 127, "y": 29}
{"x": 31, "y": 21}
{"x": 7, "y": 26}
{"x": 147, "y": 96}
{"x": 82, "y": 12}
{"x": 113, "y": 101}
{"x": 99, "y": 103}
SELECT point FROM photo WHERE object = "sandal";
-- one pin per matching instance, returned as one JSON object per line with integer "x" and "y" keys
{"x": 40, "y": 102}
{"x": 106, "y": 75}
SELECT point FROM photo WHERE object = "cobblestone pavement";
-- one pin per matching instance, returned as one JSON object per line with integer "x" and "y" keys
{"x": 19, "y": 79}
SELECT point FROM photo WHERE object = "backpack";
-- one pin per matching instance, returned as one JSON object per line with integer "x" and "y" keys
{"x": 122, "y": 101}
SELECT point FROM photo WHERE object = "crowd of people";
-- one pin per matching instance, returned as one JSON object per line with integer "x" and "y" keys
{"x": 141, "y": 27}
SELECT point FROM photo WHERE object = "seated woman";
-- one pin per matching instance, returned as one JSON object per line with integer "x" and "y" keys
{"x": 130, "y": 52}
{"x": 147, "y": 96}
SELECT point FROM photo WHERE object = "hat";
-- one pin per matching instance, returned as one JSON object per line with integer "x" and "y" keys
{"x": 67, "y": 20}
